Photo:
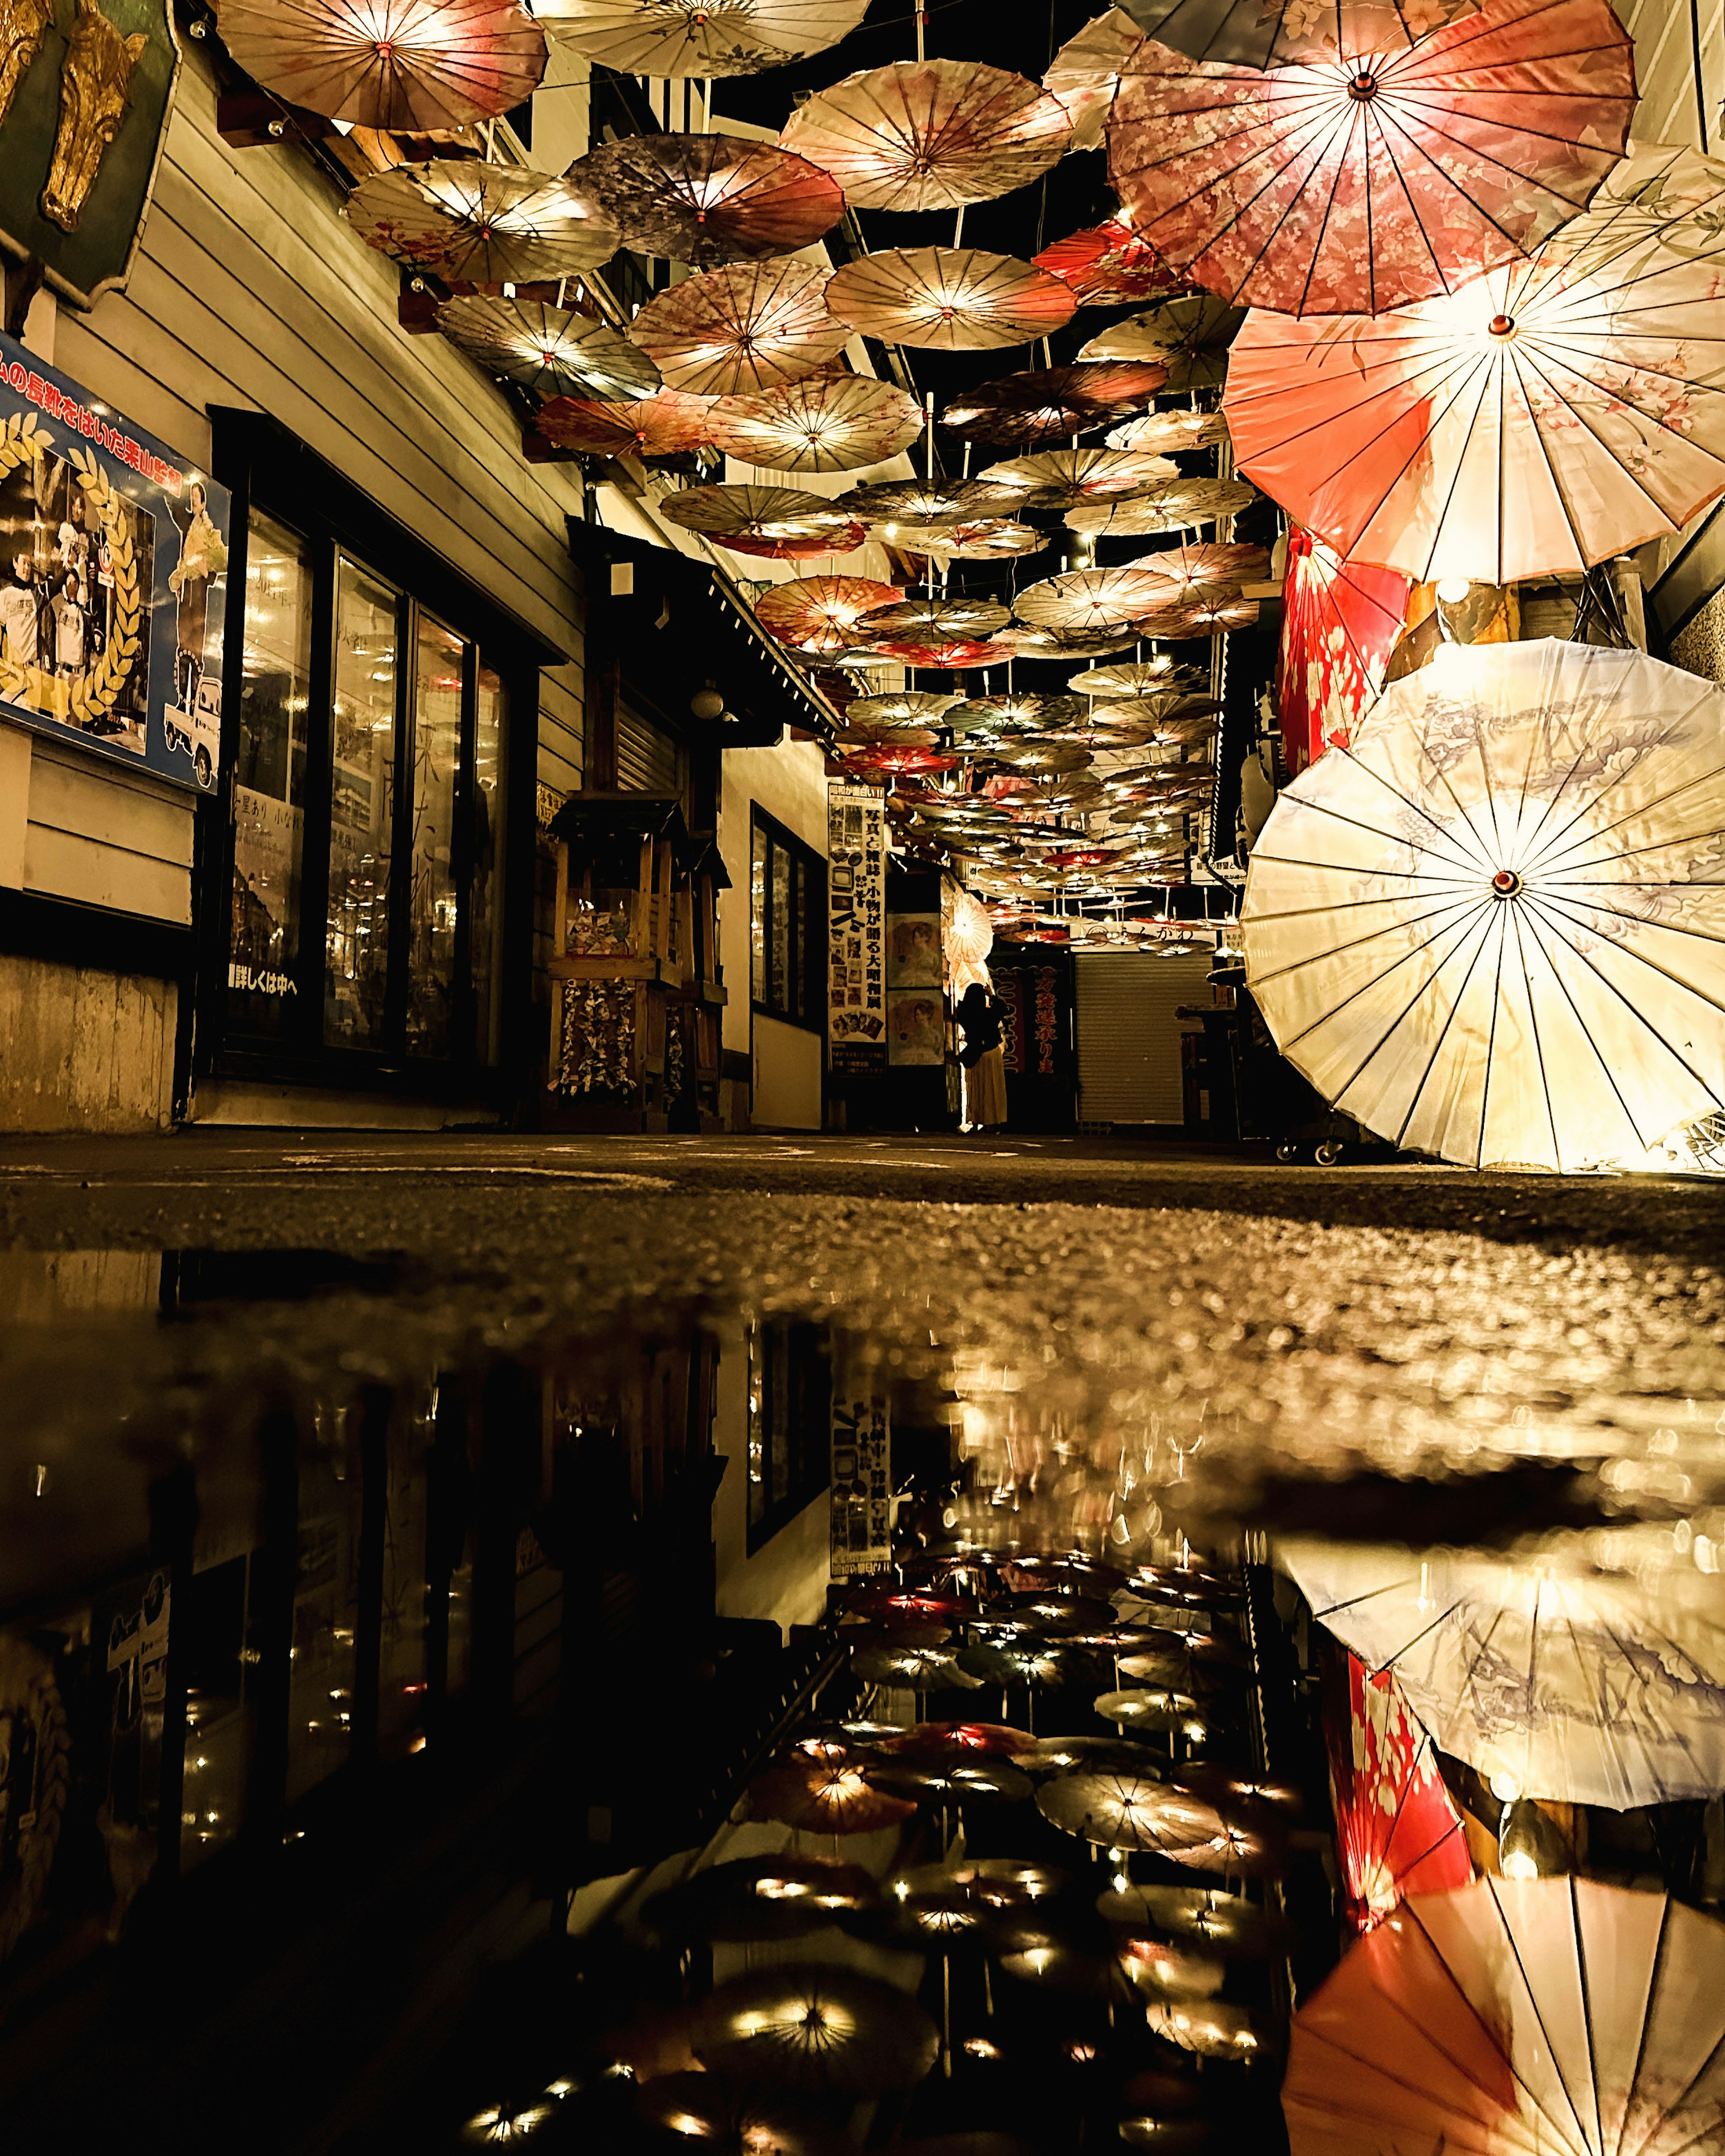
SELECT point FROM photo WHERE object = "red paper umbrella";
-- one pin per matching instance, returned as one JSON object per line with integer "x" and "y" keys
{"x": 1079, "y": 857}
{"x": 1338, "y": 189}
{"x": 956, "y": 656}
{"x": 830, "y": 423}
{"x": 811, "y": 547}
{"x": 414, "y": 66}
{"x": 1108, "y": 266}
{"x": 667, "y": 425}
{"x": 930, "y": 134}
{"x": 1264, "y": 34}
{"x": 1399, "y": 1832}
{"x": 1048, "y": 403}
{"x": 731, "y": 332}
{"x": 778, "y": 521}
{"x": 954, "y": 299}
{"x": 896, "y": 760}
{"x": 1340, "y": 621}
{"x": 819, "y": 614}
{"x": 1084, "y": 72}
{"x": 709, "y": 199}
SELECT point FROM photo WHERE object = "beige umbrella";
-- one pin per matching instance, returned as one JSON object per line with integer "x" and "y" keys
{"x": 1129, "y": 1811}
{"x": 667, "y": 425}
{"x": 731, "y": 332}
{"x": 935, "y": 620}
{"x": 995, "y": 539}
{"x": 907, "y": 708}
{"x": 1050, "y": 759}
{"x": 1267, "y": 33}
{"x": 1168, "y": 434}
{"x": 1084, "y": 72}
{"x": 1188, "y": 334}
{"x": 414, "y": 66}
{"x": 829, "y": 423}
{"x": 677, "y": 38}
{"x": 1049, "y": 403}
{"x": 921, "y": 134}
{"x": 1179, "y": 506}
{"x": 709, "y": 199}
{"x": 942, "y": 500}
{"x": 1063, "y": 479}
{"x": 955, "y": 299}
{"x": 819, "y": 614}
{"x": 827, "y": 2030}
{"x": 470, "y": 222}
{"x": 1204, "y": 575}
{"x": 1058, "y": 644}
{"x": 553, "y": 350}
{"x": 1216, "y": 618}
{"x": 777, "y": 520}
{"x": 1152, "y": 677}
{"x": 1092, "y": 599}
{"x": 1211, "y": 2027}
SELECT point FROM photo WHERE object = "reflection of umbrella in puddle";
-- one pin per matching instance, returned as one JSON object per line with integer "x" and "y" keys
{"x": 813, "y": 1797}
{"x": 729, "y": 2119}
{"x": 1048, "y": 403}
{"x": 667, "y": 425}
{"x": 766, "y": 520}
{"x": 473, "y": 223}
{"x": 953, "y": 298}
{"x": 731, "y": 332}
{"x": 1225, "y": 1925}
{"x": 709, "y": 199}
{"x": 819, "y": 614}
{"x": 1084, "y": 72}
{"x": 675, "y": 39}
{"x": 831, "y": 423}
{"x": 1108, "y": 266}
{"x": 552, "y": 349}
{"x": 921, "y": 134}
{"x": 762, "y": 1898}
{"x": 1210, "y": 2027}
{"x": 824, "y": 2031}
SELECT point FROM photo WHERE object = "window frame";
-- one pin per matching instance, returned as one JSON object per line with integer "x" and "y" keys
{"x": 807, "y": 952}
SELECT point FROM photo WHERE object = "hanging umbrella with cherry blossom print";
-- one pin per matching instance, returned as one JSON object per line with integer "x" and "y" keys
{"x": 777, "y": 520}
{"x": 1084, "y": 72}
{"x": 709, "y": 199}
{"x": 672, "y": 39}
{"x": 1052, "y": 403}
{"x": 1340, "y": 622}
{"x": 1189, "y": 335}
{"x": 1338, "y": 189}
{"x": 950, "y": 298}
{"x": 473, "y": 223}
{"x": 735, "y": 331}
{"x": 1109, "y": 265}
{"x": 1169, "y": 434}
{"x": 412, "y": 66}
{"x": 667, "y": 425}
{"x": 819, "y": 614}
{"x": 993, "y": 539}
{"x": 829, "y": 423}
{"x": 1266, "y": 34}
{"x": 930, "y": 134}
{"x": 934, "y": 620}
{"x": 551, "y": 351}
{"x": 1182, "y": 505}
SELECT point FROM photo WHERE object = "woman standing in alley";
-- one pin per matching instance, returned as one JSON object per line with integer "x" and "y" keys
{"x": 983, "y": 1058}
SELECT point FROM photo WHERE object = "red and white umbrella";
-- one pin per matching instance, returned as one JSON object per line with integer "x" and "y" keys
{"x": 473, "y": 223}
{"x": 677, "y": 38}
{"x": 820, "y": 614}
{"x": 1109, "y": 265}
{"x": 709, "y": 199}
{"x": 829, "y": 423}
{"x": 1265, "y": 34}
{"x": 1340, "y": 622}
{"x": 413, "y": 66}
{"x": 1342, "y": 189}
{"x": 731, "y": 332}
{"x": 1084, "y": 72}
{"x": 955, "y": 299}
{"x": 921, "y": 134}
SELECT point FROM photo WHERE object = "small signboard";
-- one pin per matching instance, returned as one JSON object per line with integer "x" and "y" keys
{"x": 856, "y": 947}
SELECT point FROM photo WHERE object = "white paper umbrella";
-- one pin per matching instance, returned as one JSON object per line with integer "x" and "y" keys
{"x": 1180, "y": 507}
{"x": 1086, "y": 599}
{"x": 476, "y": 224}
{"x": 1514, "y": 2018}
{"x": 678, "y": 38}
{"x": 956, "y": 299}
{"x": 1494, "y": 927}
{"x": 732, "y": 332}
{"x": 830, "y": 423}
{"x": 1085, "y": 73}
{"x": 552, "y": 349}
{"x": 1577, "y": 1688}
{"x": 1545, "y": 417}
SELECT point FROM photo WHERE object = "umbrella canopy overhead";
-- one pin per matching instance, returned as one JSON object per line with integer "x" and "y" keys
{"x": 934, "y": 620}
{"x": 470, "y": 222}
{"x": 820, "y": 615}
{"x": 1092, "y": 598}
{"x": 908, "y": 708}
{"x": 762, "y": 518}
{"x": 735, "y": 331}
{"x": 678, "y": 38}
{"x": 1084, "y": 72}
{"x": 823, "y": 1797}
{"x": 1585, "y": 1690}
{"x": 709, "y": 199}
{"x": 1063, "y": 479}
{"x": 1152, "y": 677}
{"x": 1168, "y": 434}
{"x": 993, "y": 539}
{"x": 940, "y": 501}
{"x": 1267, "y": 33}
{"x": 953, "y": 299}
{"x": 667, "y": 425}
{"x": 553, "y": 350}
{"x": 1550, "y": 416}
{"x": 829, "y": 423}
{"x": 1181, "y": 505}
{"x": 732, "y": 2120}
{"x": 1517, "y": 2014}
{"x": 415, "y": 66}
{"x": 1189, "y": 335}
{"x": 1510, "y": 875}
{"x": 1204, "y": 575}
{"x": 825, "y": 2030}
{"x": 1336, "y": 189}
{"x": 1050, "y": 403}
{"x": 1108, "y": 266}
{"x": 921, "y": 134}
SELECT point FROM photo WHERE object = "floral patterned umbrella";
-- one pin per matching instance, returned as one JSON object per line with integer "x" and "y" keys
{"x": 1337, "y": 189}
{"x": 1084, "y": 72}
{"x": 917, "y": 500}
{"x": 709, "y": 199}
{"x": 1168, "y": 434}
{"x": 775, "y": 521}
{"x": 935, "y": 621}
{"x": 819, "y": 614}
{"x": 956, "y": 299}
{"x": 994, "y": 539}
{"x": 552, "y": 349}
{"x": 1108, "y": 266}
{"x": 1049, "y": 403}
{"x": 1266, "y": 34}
{"x": 417, "y": 66}
{"x": 829, "y": 423}
{"x": 470, "y": 222}
{"x": 675, "y": 39}
{"x": 1550, "y": 416}
{"x": 906, "y": 708}
{"x": 1189, "y": 335}
{"x": 667, "y": 425}
{"x": 1522, "y": 841}
{"x": 1091, "y": 598}
{"x": 930, "y": 134}
{"x": 1063, "y": 479}
{"x": 730, "y": 332}
{"x": 1339, "y": 624}
{"x": 1177, "y": 507}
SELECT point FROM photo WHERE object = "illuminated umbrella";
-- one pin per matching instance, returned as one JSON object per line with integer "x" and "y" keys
{"x": 1063, "y": 1613}
{"x": 1045, "y": 1958}
{"x": 552, "y": 349}
{"x": 1513, "y": 2015}
{"x": 1063, "y": 479}
{"x": 1188, "y": 334}
{"x": 1090, "y": 1755}
{"x": 912, "y": 1669}
{"x": 1397, "y": 1828}
{"x": 953, "y": 298}
{"x": 959, "y": 1743}
{"x": 934, "y": 620}
{"x": 1153, "y": 677}
{"x": 1096, "y": 730}
{"x": 1157, "y": 1707}
{"x": 1265, "y": 34}
{"x": 1092, "y": 599}
{"x": 956, "y": 655}
{"x": 677, "y": 38}
{"x": 1526, "y": 878}
{"x": 414, "y": 66}
{"x": 819, "y": 614}
{"x": 1028, "y": 1662}
{"x": 930, "y": 134}
{"x": 725, "y": 2118}
{"x": 1108, "y": 266}
{"x": 1215, "y": 618}
{"x": 898, "y": 759}
{"x": 667, "y": 425}
{"x": 853, "y": 738}
{"x": 1210, "y": 2027}
{"x": 1168, "y": 433}
{"x": 995, "y": 539}
{"x": 919, "y": 502}
{"x": 1223, "y": 1925}
{"x": 1084, "y": 72}
{"x": 832, "y": 422}
{"x": 922, "y": 1777}
{"x": 1049, "y": 758}
{"x": 752, "y": 326}
{"x": 1340, "y": 622}
{"x": 1129, "y": 1811}
{"x": 468, "y": 222}
{"x": 1590, "y": 1690}
{"x": 709, "y": 199}
{"x": 1049, "y": 403}
{"x": 829, "y": 2031}
{"x": 763, "y": 519}
{"x": 1016, "y": 714}
{"x": 1178, "y": 506}
{"x": 1166, "y": 1971}
{"x": 906, "y": 707}
{"x": 1550, "y": 416}
{"x": 1334, "y": 189}
{"x": 761, "y": 1898}
{"x": 820, "y": 1797}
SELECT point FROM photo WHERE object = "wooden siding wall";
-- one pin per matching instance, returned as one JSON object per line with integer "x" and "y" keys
{"x": 1664, "y": 32}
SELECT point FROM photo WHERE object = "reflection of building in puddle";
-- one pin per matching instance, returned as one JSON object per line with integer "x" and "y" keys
{"x": 46, "y": 1287}
{"x": 772, "y": 1518}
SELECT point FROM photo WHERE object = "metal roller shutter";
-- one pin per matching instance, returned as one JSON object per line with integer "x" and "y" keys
{"x": 1128, "y": 1037}
{"x": 647, "y": 760}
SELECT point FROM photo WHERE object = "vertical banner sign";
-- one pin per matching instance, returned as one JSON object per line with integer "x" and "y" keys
{"x": 856, "y": 944}
{"x": 861, "y": 1490}
{"x": 113, "y": 579}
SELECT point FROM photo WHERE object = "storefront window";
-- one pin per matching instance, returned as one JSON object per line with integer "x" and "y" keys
{"x": 440, "y": 661}
{"x": 269, "y": 782}
{"x": 758, "y": 913}
{"x": 486, "y": 884}
{"x": 361, "y": 810}
{"x": 788, "y": 901}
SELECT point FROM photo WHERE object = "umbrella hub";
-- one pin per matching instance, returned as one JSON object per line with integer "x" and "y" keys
{"x": 1501, "y": 326}
{"x": 1363, "y": 88}
{"x": 1505, "y": 884}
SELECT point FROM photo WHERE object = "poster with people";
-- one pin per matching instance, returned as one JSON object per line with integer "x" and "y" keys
{"x": 113, "y": 578}
{"x": 856, "y": 927}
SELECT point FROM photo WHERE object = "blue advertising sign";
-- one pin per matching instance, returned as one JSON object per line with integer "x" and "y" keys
{"x": 113, "y": 579}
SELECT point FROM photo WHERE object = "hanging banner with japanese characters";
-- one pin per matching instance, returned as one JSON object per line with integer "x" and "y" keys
{"x": 856, "y": 945}
{"x": 113, "y": 579}
{"x": 861, "y": 1490}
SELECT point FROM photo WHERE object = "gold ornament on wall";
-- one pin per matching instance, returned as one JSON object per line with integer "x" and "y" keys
{"x": 95, "y": 94}
{"x": 23, "y": 24}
